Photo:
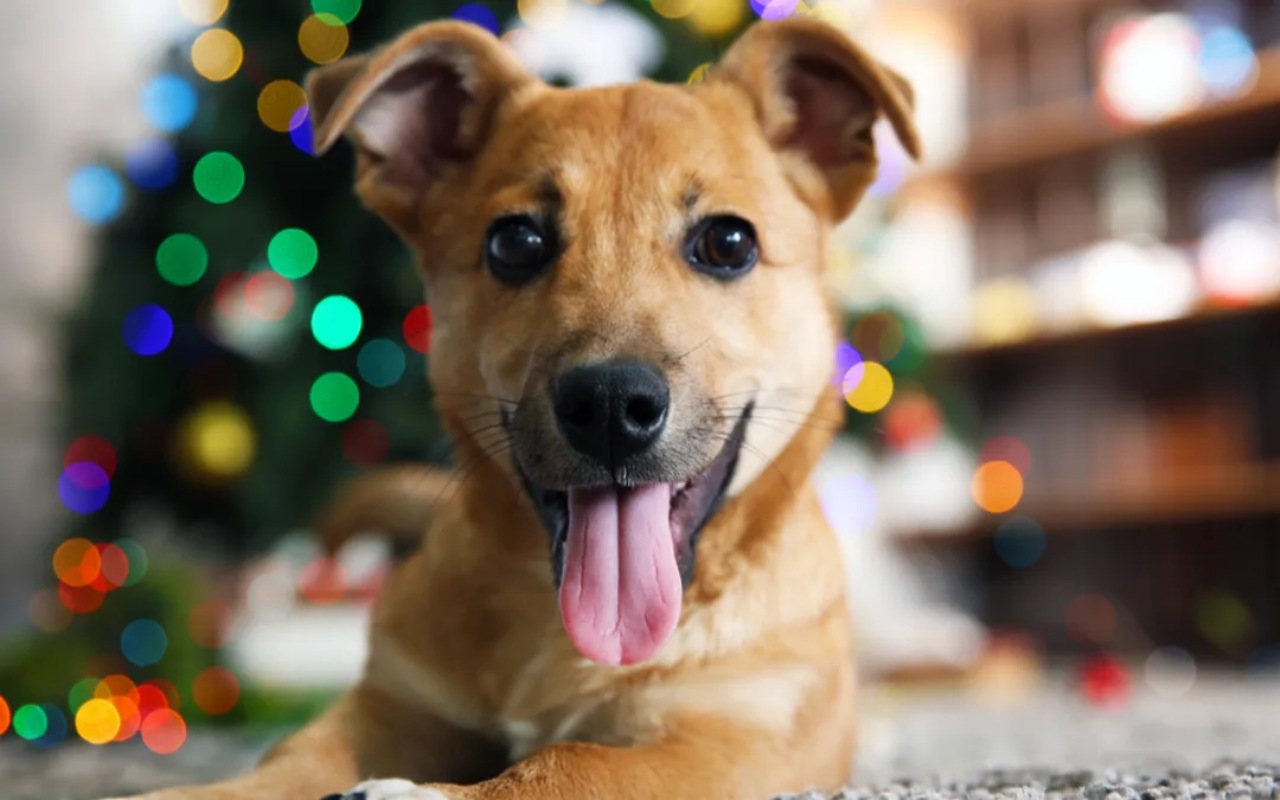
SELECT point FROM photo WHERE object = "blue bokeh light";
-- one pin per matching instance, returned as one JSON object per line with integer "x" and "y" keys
{"x": 152, "y": 164}
{"x": 96, "y": 194}
{"x": 381, "y": 363}
{"x": 1227, "y": 62}
{"x": 84, "y": 487}
{"x": 301, "y": 132}
{"x": 478, "y": 14}
{"x": 169, "y": 102}
{"x": 1020, "y": 542}
{"x": 148, "y": 330}
{"x": 57, "y": 729}
{"x": 143, "y": 642}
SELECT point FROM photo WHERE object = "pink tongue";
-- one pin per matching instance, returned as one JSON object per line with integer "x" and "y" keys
{"x": 620, "y": 595}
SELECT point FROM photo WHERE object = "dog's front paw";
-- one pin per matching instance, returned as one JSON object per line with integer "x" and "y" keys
{"x": 391, "y": 789}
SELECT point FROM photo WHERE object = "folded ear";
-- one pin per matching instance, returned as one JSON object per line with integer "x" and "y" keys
{"x": 415, "y": 109}
{"x": 816, "y": 95}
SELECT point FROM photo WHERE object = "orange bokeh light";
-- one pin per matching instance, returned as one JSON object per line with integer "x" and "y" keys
{"x": 216, "y": 690}
{"x": 997, "y": 487}
{"x": 164, "y": 731}
{"x": 210, "y": 624}
{"x": 77, "y": 563}
{"x": 5, "y": 716}
{"x": 116, "y": 686}
{"x": 130, "y": 717}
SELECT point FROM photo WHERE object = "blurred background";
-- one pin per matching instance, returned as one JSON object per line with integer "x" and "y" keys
{"x": 1061, "y": 348}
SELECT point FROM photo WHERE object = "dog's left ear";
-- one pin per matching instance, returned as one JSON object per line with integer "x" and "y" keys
{"x": 415, "y": 110}
{"x": 816, "y": 95}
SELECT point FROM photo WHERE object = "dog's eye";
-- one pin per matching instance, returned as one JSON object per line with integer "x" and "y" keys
{"x": 516, "y": 250}
{"x": 723, "y": 247}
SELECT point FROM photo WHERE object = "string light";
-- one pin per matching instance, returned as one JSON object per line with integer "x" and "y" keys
{"x": 342, "y": 10}
{"x": 417, "y": 329}
{"x": 278, "y": 102}
{"x": 203, "y": 12}
{"x": 148, "y": 330}
{"x": 84, "y": 487}
{"x": 218, "y": 177}
{"x": 217, "y": 54}
{"x": 381, "y": 363}
{"x": 98, "y": 721}
{"x": 323, "y": 40}
{"x": 215, "y": 691}
{"x": 96, "y": 194}
{"x": 164, "y": 731}
{"x": 152, "y": 164}
{"x": 868, "y": 387}
{"x": 169, "y": 103}
{"x": 336, "y": 322}
{"x": 334, "y": 397}
{"x": 478, "y": 14}
{"x": 181, "y": 259}
{"x": 997, "y": 487}
{"x": 365, "y": 442}
{"x": 143, "y": 642}
{"x": 293, "y": 253}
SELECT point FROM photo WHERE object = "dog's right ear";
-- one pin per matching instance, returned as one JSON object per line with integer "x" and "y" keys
{"x": 414, "y": 110}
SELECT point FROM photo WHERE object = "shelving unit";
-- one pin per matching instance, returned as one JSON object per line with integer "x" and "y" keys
{"x": 1156, "y": 444}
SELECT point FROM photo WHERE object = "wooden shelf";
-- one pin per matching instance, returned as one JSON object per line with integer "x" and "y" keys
{"x": 1203, "y": 317}
{"x": 1038, "y": 135}
{"x": 1223, "y": 493}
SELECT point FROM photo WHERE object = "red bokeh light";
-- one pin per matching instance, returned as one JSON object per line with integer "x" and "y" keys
{"x": 417, "y": 328}
{"x": 365, "y": 442}
{"x": 1007, "y": 448}
{"x": 164, "y": 731}
{"x": 80, "y": 599}
{"x": 1105, "y": 682}
{"x": 94, "y": 449}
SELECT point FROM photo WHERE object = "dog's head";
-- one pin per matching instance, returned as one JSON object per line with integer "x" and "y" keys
{"x": 626, "y": 281}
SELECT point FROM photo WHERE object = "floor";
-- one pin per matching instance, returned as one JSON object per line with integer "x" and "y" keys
{"x": 1220, "y": 739}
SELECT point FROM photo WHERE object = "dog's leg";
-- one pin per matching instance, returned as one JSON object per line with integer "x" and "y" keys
{"x": 365, "y": 734}
{"x": 697, "y": 759}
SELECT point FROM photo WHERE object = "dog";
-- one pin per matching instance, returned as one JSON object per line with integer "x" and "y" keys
{"x": 631, "y": 592}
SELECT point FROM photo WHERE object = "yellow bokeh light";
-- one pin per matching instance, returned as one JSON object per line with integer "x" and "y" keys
{"x": 217, "y": 54}
{"x": 217, "y": 440}
{"x": 997, "y": 487}
{"x": 699, "y": 73}
{"x": 278, "y": 102}
{"x": 203, "y": 12}
{"x": 98, "y": 721}
{"x": 674, "y": 9}
{"x": 321, "y": 40}
{"x": 868, "y": 387}
{"x": 713, "y": 18}
{"x": 542, "y": 14}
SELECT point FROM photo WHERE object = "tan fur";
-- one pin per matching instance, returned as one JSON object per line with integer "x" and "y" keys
{"x": 470, "y": 669}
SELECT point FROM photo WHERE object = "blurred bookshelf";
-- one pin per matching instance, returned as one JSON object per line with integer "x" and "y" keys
{"x": 1150, "y": 404}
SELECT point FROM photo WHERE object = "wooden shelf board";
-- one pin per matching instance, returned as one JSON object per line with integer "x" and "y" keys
{"x": 1204, "y": 316}
{"x": 1042, "y": 134}
{"x": 1224, "y": 493}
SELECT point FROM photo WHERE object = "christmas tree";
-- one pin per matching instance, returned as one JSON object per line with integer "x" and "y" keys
{"x": 249, "y": 335}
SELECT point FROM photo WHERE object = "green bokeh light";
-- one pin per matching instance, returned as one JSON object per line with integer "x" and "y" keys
{"x": 344, "y": 10}
{"x": 334, "y": 397}
{"x": 30, "y": 722}
{"x": 81, "y": 693}
{"x": 218, "y": 177}
{"x": 292, "y": 253}
{"x": 182, "y": 259}
{"x": 336, "y": 322}
{"x": 381, "y": 363}
{"x": 137, "y": 561}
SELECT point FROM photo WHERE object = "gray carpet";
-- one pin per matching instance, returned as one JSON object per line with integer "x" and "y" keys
{"x": 1222, "y": 740}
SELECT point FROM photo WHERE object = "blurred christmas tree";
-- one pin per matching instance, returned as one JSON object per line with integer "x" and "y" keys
{"x": 249, "y": 335}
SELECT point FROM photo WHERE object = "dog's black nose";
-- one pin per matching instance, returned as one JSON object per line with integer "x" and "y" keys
{"x": 611, "y": 411}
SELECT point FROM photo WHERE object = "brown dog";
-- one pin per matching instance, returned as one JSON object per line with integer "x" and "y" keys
{"x": 633, "y": 353}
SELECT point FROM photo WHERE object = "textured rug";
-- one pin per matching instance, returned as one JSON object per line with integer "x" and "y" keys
{"x": 1220, "y": 740}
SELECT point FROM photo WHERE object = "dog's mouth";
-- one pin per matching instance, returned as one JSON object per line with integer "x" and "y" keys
{"x": 622, "y": 555}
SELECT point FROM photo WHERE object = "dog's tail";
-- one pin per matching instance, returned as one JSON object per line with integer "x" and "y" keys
{"x": 396, "y": 501}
